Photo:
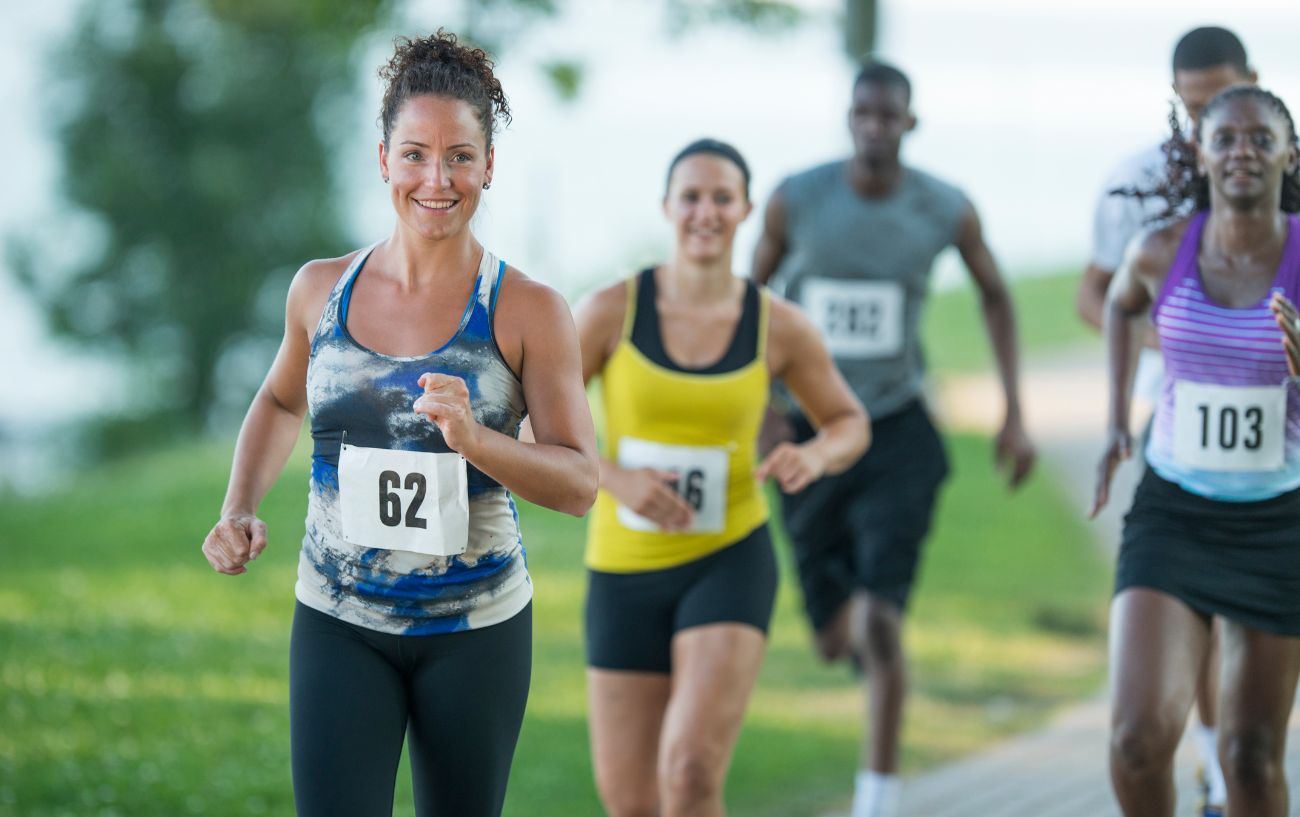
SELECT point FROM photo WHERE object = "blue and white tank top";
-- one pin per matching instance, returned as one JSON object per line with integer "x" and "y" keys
{"x": 1226, "y": 399}
{"x": 368, "y": 396}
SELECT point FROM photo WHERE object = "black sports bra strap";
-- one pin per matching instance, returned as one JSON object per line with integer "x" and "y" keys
{"x": 648, "y": 340}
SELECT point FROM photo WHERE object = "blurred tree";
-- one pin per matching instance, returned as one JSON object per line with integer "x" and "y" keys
{"x": 195, "y": 138}
{"x": 192, "y": 133}
{"x": 860, "y": 23}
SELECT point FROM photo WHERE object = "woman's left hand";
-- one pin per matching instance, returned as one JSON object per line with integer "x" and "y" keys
{"x": 793, "y": 466}
{"x": 1288, "y": 320}
{"x": 446, "y": 403}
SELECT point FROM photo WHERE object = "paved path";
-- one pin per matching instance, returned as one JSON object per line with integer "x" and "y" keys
{"x": 1060, "y": 770}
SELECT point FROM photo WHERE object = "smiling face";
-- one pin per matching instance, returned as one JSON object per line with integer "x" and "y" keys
{"x": 705, "y": 203}
{"x": 1245, "y": 147}
{"x": 436, "y": 161}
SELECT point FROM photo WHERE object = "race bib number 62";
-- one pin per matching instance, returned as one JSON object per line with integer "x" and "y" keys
{"x": 404, "y": 500}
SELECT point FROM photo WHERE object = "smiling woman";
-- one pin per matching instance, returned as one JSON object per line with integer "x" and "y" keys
{"x": 1214, "y": 526}
{"x": 414, "y": 600}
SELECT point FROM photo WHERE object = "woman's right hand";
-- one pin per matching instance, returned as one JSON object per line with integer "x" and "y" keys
{"x": 1118, "y": 449}
{"x": 233, "y": 542}
{"x": 648, "y": 492}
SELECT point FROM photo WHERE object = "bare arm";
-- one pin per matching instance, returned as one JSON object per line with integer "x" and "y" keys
{"x": 772, "y": 244}
{"x": 1090, "y": 301}
{"x": 1012, "y": 447}
{"x": 1128, "y": 300}
{"x": 799, "y": 358}
{"x": 645, "y": 491}
{"x": 559, "y": 470}
{"x": 270, "y": 427}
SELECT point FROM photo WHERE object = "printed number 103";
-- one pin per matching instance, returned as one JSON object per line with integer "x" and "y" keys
{"x": 1230, "y": 422}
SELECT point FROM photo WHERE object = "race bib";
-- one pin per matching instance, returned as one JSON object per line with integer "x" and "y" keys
{"x": 1229, "y": 428}
{"x": 701, "y": 481}
{"x": 404, "y": 500}
{"x": 858, "y": 319}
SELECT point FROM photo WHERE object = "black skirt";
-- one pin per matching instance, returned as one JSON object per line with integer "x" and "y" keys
{"x": 1238, "y": 560}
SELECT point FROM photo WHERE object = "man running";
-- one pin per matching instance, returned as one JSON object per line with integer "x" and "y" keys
{"x": 853, "y": 242}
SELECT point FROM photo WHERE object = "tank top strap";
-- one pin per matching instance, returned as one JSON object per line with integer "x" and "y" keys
{"x": 642, "y": 321}
{"x": 764, "y": 313}
{"x": 1184, "y": 265}
{"x": 491, "y": 271}
{"x": 334, "y": 316}
{"x": 629, "y": 310}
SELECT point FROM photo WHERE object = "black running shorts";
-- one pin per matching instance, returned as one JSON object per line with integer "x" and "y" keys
{"x": 864, "y": 528}
{"x": 631, "y": 618}
{"x": 1239, "y": 560}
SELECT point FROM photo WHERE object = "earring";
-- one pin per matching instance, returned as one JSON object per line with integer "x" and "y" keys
{"x": 385, "y": 180}
{"x": 487, "y": 185}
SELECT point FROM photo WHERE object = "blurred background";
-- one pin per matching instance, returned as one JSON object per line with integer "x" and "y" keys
{"x": 172, "y": 162}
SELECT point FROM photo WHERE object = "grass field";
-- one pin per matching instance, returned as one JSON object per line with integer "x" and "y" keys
{"x": 135, "y": 681}
{"x": 1045, "y": 319}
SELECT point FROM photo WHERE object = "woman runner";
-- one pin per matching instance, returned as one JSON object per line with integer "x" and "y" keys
{"x": 414, "y": 617}
{"x": 1215, "y": 525}
{"x": 682, "y": 575}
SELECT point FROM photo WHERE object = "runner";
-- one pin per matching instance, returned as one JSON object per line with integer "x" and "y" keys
{"x": 1206, "y": 61}
{"x": 413, "y": 615}
{"x": 853, "y": 243}
{"x": 682, "y": 575}
{"x": 1215, "y": 526}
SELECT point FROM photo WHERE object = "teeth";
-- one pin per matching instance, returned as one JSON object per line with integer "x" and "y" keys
{"x": 435, "y": 205}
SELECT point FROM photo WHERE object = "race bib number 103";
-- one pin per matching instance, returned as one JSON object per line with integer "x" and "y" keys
{"x": 1229, "y": 428}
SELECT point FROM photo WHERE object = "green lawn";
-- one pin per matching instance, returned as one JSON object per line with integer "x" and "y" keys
{"x": 1045, "y": 320}
{"x": 135, "y": 681}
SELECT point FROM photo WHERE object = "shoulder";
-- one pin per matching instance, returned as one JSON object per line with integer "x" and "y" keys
{"x": 529, "y": 301}
{"x": 815, "y": 176}
{"x": 1154, "y": 250}
{"x": 312, "y": 284}
{"x": 934, "y": 186}
{"x": 609, "y": 301}
{"x": 787, "y": 324}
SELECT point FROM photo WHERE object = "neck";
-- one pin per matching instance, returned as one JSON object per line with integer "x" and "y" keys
{"x": 1256, "y": 230}
{"x": 874, "y": 177}
{"x": 697, "y": 281}
{"x": 413, "y": 260}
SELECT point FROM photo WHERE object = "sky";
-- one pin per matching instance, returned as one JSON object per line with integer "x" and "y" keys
{"x": 1025, "y": 105}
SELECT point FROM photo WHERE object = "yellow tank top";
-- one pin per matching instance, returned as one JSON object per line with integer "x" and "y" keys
{"x": 703, "y": 426}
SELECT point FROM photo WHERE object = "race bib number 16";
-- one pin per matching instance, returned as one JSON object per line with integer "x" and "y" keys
{"x": 1229, "y": 428}
{"x": 404, "y": 500}
{"x": 858, "y": 319}
{"x": 701, "y": 480}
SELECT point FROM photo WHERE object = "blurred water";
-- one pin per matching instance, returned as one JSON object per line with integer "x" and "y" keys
{"x": 1026, "y": 105}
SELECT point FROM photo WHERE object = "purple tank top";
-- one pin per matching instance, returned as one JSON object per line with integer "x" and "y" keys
{"x": 1203, "y": 342}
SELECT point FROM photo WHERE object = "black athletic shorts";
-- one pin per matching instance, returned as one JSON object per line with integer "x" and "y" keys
{"x": 864, "y": 528}
{"x": 631, "y": 618}
{"x": 1239, "y": 560}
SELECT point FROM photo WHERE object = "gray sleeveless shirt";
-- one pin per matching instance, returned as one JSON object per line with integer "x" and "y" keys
{"x": 860, "y": 268}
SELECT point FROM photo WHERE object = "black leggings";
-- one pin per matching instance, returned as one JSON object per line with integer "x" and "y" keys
{"x": 354, "y": 693}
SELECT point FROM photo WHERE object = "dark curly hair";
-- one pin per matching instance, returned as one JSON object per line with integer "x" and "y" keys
{"x": 1184, "y": 189}
{"x": 438, "y": 65}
